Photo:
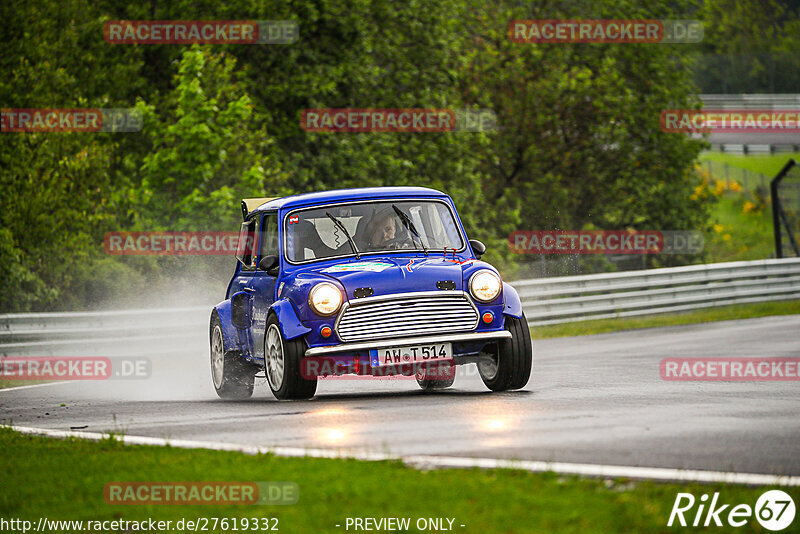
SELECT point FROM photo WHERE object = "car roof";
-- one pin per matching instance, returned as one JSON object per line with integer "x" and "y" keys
{"x": 343, "y": 195}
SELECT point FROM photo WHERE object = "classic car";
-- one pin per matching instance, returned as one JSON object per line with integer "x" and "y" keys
{"x": 368, "y": 282}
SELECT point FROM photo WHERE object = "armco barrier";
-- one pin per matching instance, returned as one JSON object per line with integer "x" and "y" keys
{"x": 92, "y": 333}
{"x": 623, "y": 294}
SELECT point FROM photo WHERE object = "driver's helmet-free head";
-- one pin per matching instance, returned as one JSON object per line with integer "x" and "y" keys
{"x": 382, "y": 229}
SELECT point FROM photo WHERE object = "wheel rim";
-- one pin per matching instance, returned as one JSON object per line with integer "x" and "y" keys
{"x": 488, "y": 367}
{"x": 275, "y": 360}
{"x": 420, "y": 376}
{"x": 217, "y": 357}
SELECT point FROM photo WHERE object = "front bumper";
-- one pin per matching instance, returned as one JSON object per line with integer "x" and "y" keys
{"x": 402, "y": 342}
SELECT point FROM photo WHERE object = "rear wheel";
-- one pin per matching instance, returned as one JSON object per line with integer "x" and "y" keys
{"x": 510, "y": 368}
{"x": 436, "y": 377}
{"x": 232, "y": 376}
{"x": 283, "y": 359}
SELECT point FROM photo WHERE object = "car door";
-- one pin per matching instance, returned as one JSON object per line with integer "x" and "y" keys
{"x": 262, "y": 284}
{"x": 240, "y": 292}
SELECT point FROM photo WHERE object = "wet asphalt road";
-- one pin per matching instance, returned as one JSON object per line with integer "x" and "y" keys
{"x": 593, "y": 399}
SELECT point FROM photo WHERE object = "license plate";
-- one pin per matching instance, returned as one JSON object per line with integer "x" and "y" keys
{"x": 434, "y": 352}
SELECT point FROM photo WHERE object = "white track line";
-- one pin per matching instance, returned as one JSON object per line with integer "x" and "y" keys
{"x": 590, "y": 470}
{"x": 17, "y": 388}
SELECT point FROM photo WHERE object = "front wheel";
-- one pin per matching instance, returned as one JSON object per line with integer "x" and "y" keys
{"x": 283, "y": 359}
{"x": 232, "y": 376}
{"x": 511, "y": 367}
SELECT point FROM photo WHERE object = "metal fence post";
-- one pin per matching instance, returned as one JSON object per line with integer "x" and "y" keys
{"x": 778, "y": 216}
{"x": 727, "y": 177}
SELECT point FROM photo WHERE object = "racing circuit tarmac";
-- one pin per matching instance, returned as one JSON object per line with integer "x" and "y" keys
{"x": 592, "y": 399}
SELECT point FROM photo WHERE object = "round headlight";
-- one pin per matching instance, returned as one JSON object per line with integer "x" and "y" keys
{"x": 325, "y": 298}
{"x": 485, "y": 285}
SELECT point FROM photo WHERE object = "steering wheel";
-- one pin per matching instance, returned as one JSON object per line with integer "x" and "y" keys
{"x": 397, "y": 243}
{"x": 406, "y": 242}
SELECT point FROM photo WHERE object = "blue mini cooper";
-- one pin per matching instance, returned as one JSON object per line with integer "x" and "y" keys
{"x": 363, "y": 281}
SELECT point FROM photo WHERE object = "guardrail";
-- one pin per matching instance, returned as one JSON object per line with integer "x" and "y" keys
{"x": 751, "y": 101}
{"x": 545, "y": 301}
{"x": 772, "y": 102}
{"x": 624, "y": 294}
{"x": 753, "y": 149}
{"x": 45, "y": 334}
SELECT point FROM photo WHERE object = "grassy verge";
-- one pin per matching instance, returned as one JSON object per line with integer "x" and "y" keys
{"x": 768, "y": 164}
{"x": 17, "y": 383}
{"x": 737, "y": 234}
{"x": 723, "y": 313}
{"x": 741, "y": 219}
{"x": 65, "y": 479}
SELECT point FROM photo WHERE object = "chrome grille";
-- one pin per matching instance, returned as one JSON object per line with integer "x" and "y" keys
{"x": 409, "y": 314}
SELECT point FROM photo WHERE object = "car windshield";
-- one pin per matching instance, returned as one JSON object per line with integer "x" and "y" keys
{"x": 312, "y": 234}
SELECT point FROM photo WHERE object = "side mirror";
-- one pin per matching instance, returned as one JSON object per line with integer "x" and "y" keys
{"x": 269, "y": 264}
{"x": 477, "y": 247}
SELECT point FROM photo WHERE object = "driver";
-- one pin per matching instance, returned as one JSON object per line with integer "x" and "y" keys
{"x": 382, "y": 232}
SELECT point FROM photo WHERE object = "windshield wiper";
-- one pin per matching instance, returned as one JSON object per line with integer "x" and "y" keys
{"x": 341, "y": 227}
{"x": 410, "y": 225}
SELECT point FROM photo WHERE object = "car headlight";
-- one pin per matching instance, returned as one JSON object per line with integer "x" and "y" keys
{"x": 325, "y": 298}
{"x": 485, "y": 285}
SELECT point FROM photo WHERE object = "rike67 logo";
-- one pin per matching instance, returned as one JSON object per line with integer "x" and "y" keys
{"x": 774, "y": 510}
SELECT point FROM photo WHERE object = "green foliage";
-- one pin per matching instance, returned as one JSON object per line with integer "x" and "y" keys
{"x": 578, "y": 143}
{"x": 749, "y": 46}
{"x": 207, "y": 151}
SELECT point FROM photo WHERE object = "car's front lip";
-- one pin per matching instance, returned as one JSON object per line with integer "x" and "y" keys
{"x": 402, "y": 342}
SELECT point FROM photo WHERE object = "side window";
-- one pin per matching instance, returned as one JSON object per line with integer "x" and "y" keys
{"x": 269, "y": 236}
{"x": 246, "y": 251}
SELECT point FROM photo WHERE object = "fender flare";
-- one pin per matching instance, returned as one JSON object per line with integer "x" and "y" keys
{"x": 289, "y": 323}
{"x": 230, "y": 337}
{"x": 512, "y": 305}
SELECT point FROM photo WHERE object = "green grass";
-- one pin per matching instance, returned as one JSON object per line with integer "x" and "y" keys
{"x": 17, "y": 383}
{"x": 768, "y": 164}
{"x": 723, "y": 313}
{"x": 736, "y": 235}
{"x": 64, "y": 479}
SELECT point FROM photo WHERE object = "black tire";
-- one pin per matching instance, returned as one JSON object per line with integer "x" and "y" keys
{"x": 512, "y": 367}
{"x": 287, "y": 383}
{"x": 436, "y": 378}
{"x": 234, "y": 377}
